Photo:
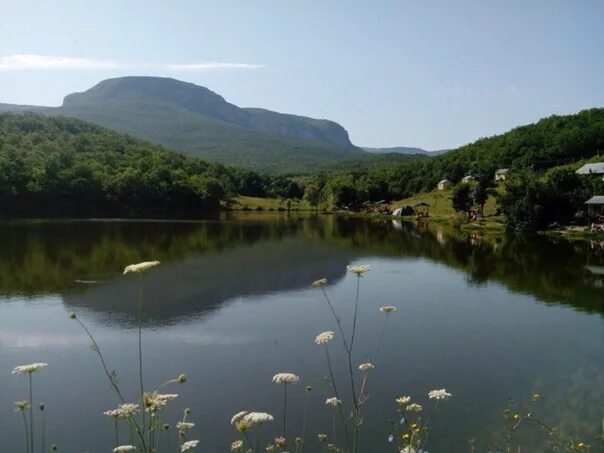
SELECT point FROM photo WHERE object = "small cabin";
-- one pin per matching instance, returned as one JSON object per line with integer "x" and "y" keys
{"x": 501, "y": 174}
{"x": 444, "y": 184}
{"x": 595, "y": 208}
{"x": 591, "y": 169}
{"x": 467, "y": 179}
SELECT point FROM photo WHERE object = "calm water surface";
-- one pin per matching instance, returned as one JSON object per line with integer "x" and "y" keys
{"x": 231, "y": 305}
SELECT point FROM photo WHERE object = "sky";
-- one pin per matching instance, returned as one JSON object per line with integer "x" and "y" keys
{"x": 429, "y": 73}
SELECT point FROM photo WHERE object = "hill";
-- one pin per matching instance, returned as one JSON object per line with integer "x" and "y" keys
{"x": 405, "y": 150}
{"x": 551, "y": 142}
{"x": 57, "y": 166}
{"x": 195, "y": 120}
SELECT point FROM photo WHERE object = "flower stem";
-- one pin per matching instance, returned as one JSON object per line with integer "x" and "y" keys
{"x": 43, "y": 446}
{"x": 335, "y": 391}
{"x": 114, "y": 385}
{"x": 26, "y": 431}
{"x": 140, "y": 351}
{"x": 304, "y": 422}
{"x": 285, "y": 410}
{"x": 379, "y": 343}
{"x": 31, "y": 414}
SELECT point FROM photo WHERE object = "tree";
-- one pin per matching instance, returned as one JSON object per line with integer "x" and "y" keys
{"x": 483, "y": 187}
{"x": 312, "y": 194}
{"x": 461, "y": 200}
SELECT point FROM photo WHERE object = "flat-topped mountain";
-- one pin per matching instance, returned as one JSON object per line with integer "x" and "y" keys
{"x": 196, "y": 121}
{"x": 198, "y": 99}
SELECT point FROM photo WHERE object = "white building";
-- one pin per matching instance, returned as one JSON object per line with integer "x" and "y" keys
{"x": 444, "y": 184}
{"x": 501, "y": 174}
{"x": 591, "y": 169}
{"x": 467, "y": 179}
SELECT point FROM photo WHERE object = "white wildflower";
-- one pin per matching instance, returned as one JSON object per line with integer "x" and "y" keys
{"x": 31, "y": 368}
{"x": 285, "y": 378}
{"x": 320, "y": 282}
{"x": 21, "y": 405}
{"x": 324, "y": 337}
{"x": 237, "y": 445}
{"x": 413, "y": 407}
{"x": 124, "y": 448}
{"x": 238, "y": 416}
{"x": 257, "y": 418}
{"x": 140, "y": 267}
{"x": 333, "y": 401}
{"x": 388, "y": 309}
{"x": 403, "y": 400}
{"x": 441, "y": 394}
{"x": 154, "y": 401}
{"x": 408, "y": 449}
{"x": 189, "y": 445}
{"x": 184, "y": 426}
{"x": 359, "y": 270}
{"x": 366, "y": 367}
{"x": 123, "y": 411}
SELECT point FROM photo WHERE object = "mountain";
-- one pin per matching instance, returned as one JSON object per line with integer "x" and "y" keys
{"x": 196, "y": 121}
{"x": 205, "y": 102}
{"x": 404, "y": 150}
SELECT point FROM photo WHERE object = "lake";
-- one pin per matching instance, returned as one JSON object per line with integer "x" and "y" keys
{"x": 232, "y": 304}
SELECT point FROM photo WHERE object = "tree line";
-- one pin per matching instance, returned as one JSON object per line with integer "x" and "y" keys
{"x": 58, "y": 166}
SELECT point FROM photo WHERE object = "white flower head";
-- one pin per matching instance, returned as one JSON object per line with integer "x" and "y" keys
{"x": 189, "y": 445}
{"x": 237, "y": 445}
{"x": 29, "y": 369}
{"x": 413, "y": 407}
{"x": 257, "y": 418}
{"x": 285, "y": 378}
{"x": 184, "y": 426}
{"x": 403, "y": 400}
{"x": 238, "y": 416}
{"x": 21, "y": 405}
{"x": 324, "y": 337}
{"x": 333, "y": 401}
{"x": 140, "y": 267}
{"x": 124, "y": 448}
{"x": 388, "y": 309}
{"x": 366, "y": 367}
{"x": 155, "y": 401}
{"x": 441, "y": 394}
{"x": 320, "y": 282}
{"x": 359, "y": 269}
{"x": 123, "y": 411}
{"x": 408, "y": 449}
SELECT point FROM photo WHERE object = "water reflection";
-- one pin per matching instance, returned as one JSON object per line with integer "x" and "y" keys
{"x": 208, "y": 263}
{"x": 233, "y": 299}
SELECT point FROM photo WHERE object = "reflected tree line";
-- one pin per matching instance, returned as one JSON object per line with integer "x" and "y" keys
{"x": 72, "y": 258}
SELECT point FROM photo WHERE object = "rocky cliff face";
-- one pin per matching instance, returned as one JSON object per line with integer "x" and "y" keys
{"x": 205, "y": 102}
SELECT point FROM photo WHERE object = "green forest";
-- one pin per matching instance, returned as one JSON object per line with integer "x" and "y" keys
{"x": 57, "y": 166}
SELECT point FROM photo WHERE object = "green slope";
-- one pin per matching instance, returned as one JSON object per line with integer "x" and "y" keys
{"x": 210, "y": 139}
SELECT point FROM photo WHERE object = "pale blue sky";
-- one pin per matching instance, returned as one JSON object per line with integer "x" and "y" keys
{"x": 434, "y": 74}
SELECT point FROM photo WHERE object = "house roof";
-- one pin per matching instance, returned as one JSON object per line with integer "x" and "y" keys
{"x": 444, "y": 181}
{"x": 502, "y": 171}
{"x": 596, "y": 168}
{"x": 598, "y": 199}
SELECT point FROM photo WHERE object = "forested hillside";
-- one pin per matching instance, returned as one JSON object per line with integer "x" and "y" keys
{"x": 54, "y": 166}
{"x": 551, "y": 142}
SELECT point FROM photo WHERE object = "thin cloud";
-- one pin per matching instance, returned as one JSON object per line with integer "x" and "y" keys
{"x": 212, "y": 65}
{"x": 21, "y": 62}
{"x": 29, "y": 62}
